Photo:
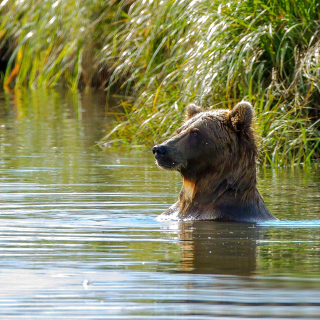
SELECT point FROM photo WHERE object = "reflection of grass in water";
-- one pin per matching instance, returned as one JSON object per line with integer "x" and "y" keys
{"x": 288, "y": 248}
{"x": 211, "y": 53}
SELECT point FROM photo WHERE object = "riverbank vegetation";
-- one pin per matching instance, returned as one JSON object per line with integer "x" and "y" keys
{"x": 162, "y": 55}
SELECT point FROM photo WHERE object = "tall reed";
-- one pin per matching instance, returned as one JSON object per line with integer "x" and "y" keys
{"x": 165, "y": 54}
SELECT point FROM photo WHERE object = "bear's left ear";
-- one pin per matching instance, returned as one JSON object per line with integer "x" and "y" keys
{"x": 241, "y": 116}
{"x": 192, "y": 110}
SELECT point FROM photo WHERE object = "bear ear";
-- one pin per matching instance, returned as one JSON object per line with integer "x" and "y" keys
{"x": 241, "y": 116}
{"x": 192, "y": 110}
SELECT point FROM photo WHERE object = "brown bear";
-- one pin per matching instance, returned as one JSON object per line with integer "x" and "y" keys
{"x": 215, "y": 152}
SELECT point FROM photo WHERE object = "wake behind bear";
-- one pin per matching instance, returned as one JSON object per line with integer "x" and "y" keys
{"x": 215, "y": 152}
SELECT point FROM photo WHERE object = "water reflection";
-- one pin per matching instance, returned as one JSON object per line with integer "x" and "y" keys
{"x": 78, "y": 234}
{"x": 219, "y": 248}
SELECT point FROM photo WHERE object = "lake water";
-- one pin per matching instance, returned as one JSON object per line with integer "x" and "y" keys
{"x": 79, "y": 239}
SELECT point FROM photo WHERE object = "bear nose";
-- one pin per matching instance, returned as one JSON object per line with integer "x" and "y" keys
{"x": 159, "y": 150}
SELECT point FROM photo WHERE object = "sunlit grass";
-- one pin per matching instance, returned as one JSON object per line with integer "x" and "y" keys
{"x": 165, "y": 54}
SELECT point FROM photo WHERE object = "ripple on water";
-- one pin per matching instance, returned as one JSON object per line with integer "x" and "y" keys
{"x": 79, "y": 239}
{"x": 292, "y": 224}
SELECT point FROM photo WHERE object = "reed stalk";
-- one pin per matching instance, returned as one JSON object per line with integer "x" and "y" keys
{"x": 163, "y": 55}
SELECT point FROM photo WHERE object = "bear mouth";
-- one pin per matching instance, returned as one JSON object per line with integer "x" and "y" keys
{"x": 168, "y": 164}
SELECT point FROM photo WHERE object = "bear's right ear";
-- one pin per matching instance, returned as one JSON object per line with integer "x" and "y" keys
{"x": 192, "y": 110}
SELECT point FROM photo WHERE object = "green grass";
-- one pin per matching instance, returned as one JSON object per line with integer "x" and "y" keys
{"x": 163, "y": 55}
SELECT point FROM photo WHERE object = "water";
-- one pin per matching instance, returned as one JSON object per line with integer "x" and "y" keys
{"x": 79, "y": 239}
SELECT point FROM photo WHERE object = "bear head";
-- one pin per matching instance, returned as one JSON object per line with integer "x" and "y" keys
{"x": 217, "y": 141}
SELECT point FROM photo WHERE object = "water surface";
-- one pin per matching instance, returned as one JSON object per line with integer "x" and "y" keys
{"x": 79, "y": 239}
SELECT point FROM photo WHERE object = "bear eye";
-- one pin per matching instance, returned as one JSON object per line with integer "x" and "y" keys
{"x": 194, "y": 132}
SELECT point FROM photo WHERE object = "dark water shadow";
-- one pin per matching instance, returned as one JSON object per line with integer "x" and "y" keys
{"x": 219, "y": 248}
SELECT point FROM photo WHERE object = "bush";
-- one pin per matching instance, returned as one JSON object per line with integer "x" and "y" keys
{"x": 165, "y": 54}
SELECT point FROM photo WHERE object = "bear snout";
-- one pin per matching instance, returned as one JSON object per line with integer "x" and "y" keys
{"x": 159, "y": 151}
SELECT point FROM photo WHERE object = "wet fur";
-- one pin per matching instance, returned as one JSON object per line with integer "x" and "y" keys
{"x": 215, "y": 152}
